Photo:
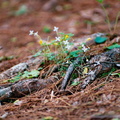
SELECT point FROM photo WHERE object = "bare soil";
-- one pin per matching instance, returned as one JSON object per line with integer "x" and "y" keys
{"x": 100, "y": 98}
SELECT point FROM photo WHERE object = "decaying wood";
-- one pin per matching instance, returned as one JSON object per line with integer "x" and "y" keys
{"x": 101, "y": 63}
{"x": 69, "y": 73}
{"x": 32, "y": 63}
{"x": 24, "y": 87}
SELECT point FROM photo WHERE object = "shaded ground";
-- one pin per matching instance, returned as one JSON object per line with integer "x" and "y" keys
{"x": 77, "y": 16}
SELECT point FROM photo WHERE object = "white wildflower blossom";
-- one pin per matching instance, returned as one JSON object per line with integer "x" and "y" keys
{"x": 31, "y": 32}
{"x": 55, "y": 29}
{"x": 84, "y": 48}
{"x": 66, "y": 42}
{"x": 68, "y": 47}
{"x": 57, "y": 38}
{"x": 36, "y": 34}
{"x": 82, "y": 45}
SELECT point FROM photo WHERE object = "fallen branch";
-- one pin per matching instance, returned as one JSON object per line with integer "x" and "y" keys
{"x": 69, "y": 73}
{"x": 24, "y": 87}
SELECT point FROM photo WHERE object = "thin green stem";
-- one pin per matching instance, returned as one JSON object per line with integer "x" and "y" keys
{"x": 62, "y": 50}
{"x": 108, "y": 20}
{"x": 116, "y": 21}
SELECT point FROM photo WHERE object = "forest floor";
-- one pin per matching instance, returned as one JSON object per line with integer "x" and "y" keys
{"x": 80, "y": 17}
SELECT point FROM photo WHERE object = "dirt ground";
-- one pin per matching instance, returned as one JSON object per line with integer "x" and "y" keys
{"x": 81, "y": 17}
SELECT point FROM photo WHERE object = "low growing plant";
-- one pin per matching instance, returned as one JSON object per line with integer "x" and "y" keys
{"x": 58, "y": 50}
{"x": 107, "y": 17}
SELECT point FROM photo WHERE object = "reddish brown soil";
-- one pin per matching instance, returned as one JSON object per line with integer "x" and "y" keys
{"x": 71, "y": 18}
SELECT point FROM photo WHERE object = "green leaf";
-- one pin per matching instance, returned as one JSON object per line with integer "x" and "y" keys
{"x": 100, "y": 1}
{"x": 46, "y": 29}
{"x": 113, "y": 46}
{"x": 2, "y": 58}
{"x": 37, "y": 54}
{"x": 62, "y": 33}
{"x": 31, "y": 74}
{"x": 100, "y": 39}
{"x": 75, "y": 53}
{"x": 40, "y": 68}
{"x": 22, "y": 10}
{"x": 16, "y": 78}
{"x": 75, "y": 83}
{"x": 70, "y": 34}
{"x": 47, "y": 118}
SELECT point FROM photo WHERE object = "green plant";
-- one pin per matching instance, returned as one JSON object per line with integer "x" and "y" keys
{"x": 14, "y": 79}
{"x": 108, "y": 19}
{"x": 58, "y": 50}
{"x": 113, "y": 46}
{"x": 31, "y": 74}
{"x": 47, "y": 118}
{"x": 25, "y": 74}
{"x": 2, "y": 58}
{"x": 22, "y": 10}
{"x": 107, "y": 73}
{"x": 46, "y": 29}
{"x": 100, "y": 39}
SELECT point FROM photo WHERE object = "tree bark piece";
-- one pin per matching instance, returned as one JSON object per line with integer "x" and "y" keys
{"x": 24, "y": 87}
{"x": 32, "y": 63}
{"x": 101, "y": 63}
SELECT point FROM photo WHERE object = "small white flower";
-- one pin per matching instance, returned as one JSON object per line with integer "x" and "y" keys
{"x": 55, "y": 29}
{"x": 36, "y": 34}
{"x": 57, "y": 38}
{"x": 82, "y": 45}
{"x": 66, "y": 42}
{"x": 31, "y": 32}
{"x": 84, "y": 49}
{"x": 68, "y": 47}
